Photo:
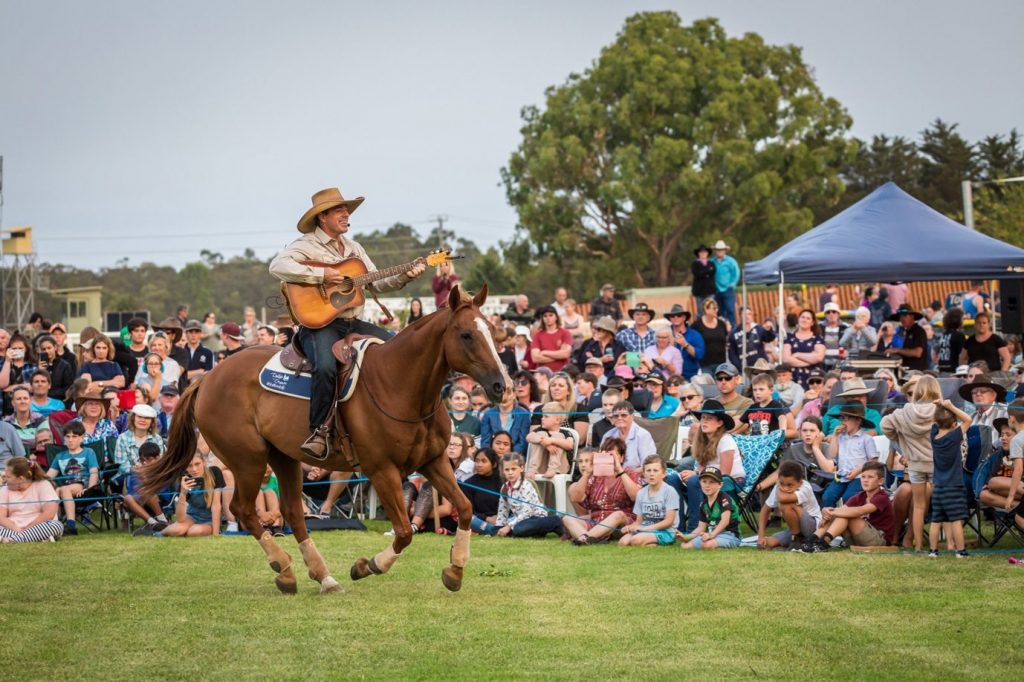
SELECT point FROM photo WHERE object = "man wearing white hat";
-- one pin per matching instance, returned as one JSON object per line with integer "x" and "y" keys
{"x": 323, "y": 227}
{"x": 727, "y": 276}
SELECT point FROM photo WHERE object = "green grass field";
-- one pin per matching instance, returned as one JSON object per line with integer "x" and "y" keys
{"x": 112, "y": 606}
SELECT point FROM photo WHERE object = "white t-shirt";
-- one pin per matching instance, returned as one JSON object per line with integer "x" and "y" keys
{"x": 1017, "y": 446}
{"x": 729, "y": 443}
{"x": 804, "y": 497}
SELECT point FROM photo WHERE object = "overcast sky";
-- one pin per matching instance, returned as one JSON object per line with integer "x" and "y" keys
{"x": 152, "y": 130}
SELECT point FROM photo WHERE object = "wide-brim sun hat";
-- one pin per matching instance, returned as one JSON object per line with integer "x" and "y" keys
{"x": 854, "y": 387}
{"x": 92, "y": 393}
{"x": 905, "y": 310}
{"x": 982, "y": 381}
{"x": 605, "y": 323}
{"x": 325, "y": 200}
{"x": 642, "y": 308}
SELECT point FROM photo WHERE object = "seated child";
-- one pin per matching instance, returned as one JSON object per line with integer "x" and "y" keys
{"x": 28, "y": 504}
{"x": 811, "y": 453}
{"x": 867, "y": 520}
{"x": 853, "y": 447}
{"x": 268, "y": 505}
{"x": 719, "y": 517}
{"x": 765, "y": 415}
{"x": 949, "y": 494}
{"x": 656, "y": 508}
{"x": 1004, "y": 490}
{"x": 794, "y": 498}
{"x": 76, "y": 473}
{"x": 552, "y": 446}
{"x": 199, "y": 502}
{"x": 149, "y": 509}
{"x": 520, "y": 513}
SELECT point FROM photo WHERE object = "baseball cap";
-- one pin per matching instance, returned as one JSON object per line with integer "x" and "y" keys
{"x": 727, "y": 368}
{"x": 169, "y": 390}
{"x": 713, "y": 473}
{"x": 231, "y": 330}
{"x": 594, "y": 361}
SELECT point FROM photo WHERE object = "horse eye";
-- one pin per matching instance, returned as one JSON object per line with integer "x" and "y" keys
{"x": 466, "y": 336}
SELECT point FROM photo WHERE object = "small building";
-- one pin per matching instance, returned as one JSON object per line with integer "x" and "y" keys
{"x": 81, "y": 307}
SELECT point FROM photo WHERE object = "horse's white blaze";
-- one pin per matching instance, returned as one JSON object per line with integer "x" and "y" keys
{"x": 485, "y": 331}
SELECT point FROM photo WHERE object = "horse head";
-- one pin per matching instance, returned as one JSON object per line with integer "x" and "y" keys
{"x": 469, "y": 343}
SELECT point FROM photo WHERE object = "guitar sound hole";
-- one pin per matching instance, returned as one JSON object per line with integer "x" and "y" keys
{"x": 346, "y": 286}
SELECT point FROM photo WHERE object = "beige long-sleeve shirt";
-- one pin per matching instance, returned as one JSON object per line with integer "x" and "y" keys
{"x": 318, "y": 246}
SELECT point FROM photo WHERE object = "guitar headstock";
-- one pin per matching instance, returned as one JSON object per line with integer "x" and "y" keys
{"x": 435, "y": 258}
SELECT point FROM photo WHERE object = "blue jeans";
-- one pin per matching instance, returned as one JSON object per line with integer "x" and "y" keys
{"x": 840, "y": 489}
{"x": 726, "y": 301}
{"x": 316, "y": 345}
{"x": 535, "y": 526}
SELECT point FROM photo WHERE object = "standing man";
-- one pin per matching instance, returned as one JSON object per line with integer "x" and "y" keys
{"x": 727, "y": 276}
{"x": 323, "y": 240}
{"x": 561, "y": 296}
{"x": 552, "y": 345}
{"x": 915, "y": 341}
{"x": 605, "y": 304}
{"x": 200, "y": 358}
{"x": 60, "y": 335}
{"x": 641, "y": 336}
{"x": 131, "y": 356}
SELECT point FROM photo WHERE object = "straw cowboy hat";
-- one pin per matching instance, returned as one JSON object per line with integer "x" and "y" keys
{"x": 325, "y": 200}
{"x": 762, "y": 366}
{"x": 854, "y": 387}
{"x": 93, "y": 393}
{"x": 605, "y": 323}
{"x": 721, "y": 246}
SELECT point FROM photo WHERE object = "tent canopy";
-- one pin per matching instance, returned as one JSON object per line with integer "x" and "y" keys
{"x": 888, "y": 235}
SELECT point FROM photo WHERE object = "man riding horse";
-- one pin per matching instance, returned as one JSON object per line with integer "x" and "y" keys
{"x": 323, "y": 240}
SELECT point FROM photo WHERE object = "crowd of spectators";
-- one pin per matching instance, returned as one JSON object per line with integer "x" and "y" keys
{"x": 78, "y": 423}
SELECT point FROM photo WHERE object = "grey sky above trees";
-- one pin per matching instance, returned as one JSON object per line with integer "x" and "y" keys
{"x": 130, "y": 129}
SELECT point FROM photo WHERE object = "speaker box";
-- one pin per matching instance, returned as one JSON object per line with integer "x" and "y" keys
{"x": 1011, "y": 297}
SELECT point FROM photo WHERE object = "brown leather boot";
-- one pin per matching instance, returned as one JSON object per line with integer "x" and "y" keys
{"x": 316, "y": 445}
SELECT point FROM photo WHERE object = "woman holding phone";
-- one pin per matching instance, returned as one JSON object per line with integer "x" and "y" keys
{"x": 198, "y": 509}
{"x": 604, "y": 489}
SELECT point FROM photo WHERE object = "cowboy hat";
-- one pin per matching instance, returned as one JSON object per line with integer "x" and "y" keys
{"x": 857, "y": 410}
{"x": 641, "y": 308}
{"x": 172, "y": 327}
{"x": 717, "y": 410}
{"x": 762, "y": 366}
{"x": 721, "y": 246}
{"x": 679, "y": 310}
{"x": 905, "y": 310}
{"x": 606, "y": 323}
{"x": 702, "y": 247}
{"x": 982, "y": 381}
{"x": 92, "y": 393}
{"x": 325, "y": 200}
{"x": 854, "y": 387}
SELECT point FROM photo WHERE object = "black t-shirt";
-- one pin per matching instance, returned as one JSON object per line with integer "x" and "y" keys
{"x": 915, "y": 337}
{"x": 714, "y": 341}
{"x": 987, "y": 350}
{"x": 947, "y": 349}
{"x": 763, "y": 420}
{"x": 484, "y": 503}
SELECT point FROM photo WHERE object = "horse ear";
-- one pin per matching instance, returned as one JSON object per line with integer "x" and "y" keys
{"x": 455, "y": 297}
{"x": 481, "y": 296}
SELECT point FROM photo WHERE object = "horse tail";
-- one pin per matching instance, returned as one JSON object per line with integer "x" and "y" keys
{"x": 181, "y": 446}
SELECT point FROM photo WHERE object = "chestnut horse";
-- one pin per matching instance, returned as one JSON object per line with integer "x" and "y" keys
{"x": 395, "y": 418}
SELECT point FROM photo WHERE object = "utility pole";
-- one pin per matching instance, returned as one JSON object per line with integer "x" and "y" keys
{"x": 967, "y": 192}
{"x": 440, "y": 230}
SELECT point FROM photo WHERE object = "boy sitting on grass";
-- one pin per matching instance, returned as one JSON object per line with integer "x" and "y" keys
{"x": 656, "y": 507}
{"x": 949, "y": 494}
{"x": 1004, "y": 490}
{"x": 719, "y": 518}
{"x": 867, "y": 520}
{"x": 794, "y": 499}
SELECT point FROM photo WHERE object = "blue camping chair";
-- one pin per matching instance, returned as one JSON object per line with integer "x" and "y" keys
{"x": 760, "y": 456}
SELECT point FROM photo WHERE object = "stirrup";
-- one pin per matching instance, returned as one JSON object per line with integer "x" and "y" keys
{"x": 324, "y": 433}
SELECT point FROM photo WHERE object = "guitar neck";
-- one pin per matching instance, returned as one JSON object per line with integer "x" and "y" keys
{"x": 376, "y": 275}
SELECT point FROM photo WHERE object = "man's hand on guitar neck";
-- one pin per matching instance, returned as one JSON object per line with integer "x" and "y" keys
{"x": 418, "y": 269}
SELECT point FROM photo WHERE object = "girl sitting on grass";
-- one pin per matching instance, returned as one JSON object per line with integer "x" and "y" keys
{"x": 520, "y": 512}
{"x": 28, "y": 504}
{"x": 199, "y": 501}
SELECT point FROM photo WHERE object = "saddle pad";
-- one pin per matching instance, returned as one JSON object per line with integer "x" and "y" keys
{"x": 276, "y": 378}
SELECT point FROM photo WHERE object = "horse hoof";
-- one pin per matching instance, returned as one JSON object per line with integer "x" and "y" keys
{"x": 286, "y": 586}
{"x": 329, "y": 585}
{"x": 360, "y": 569}
{"x": 451, "y": 576}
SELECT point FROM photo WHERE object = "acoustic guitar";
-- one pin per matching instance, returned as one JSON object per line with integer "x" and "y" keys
{"x": 315, "y": 305}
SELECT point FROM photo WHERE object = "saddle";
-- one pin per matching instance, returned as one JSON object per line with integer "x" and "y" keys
{"x": 295, "y": 360}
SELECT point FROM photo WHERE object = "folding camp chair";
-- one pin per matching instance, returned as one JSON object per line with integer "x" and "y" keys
{"x": 760, "y": 457}
{"x": 664, "y": 431}
{"x": 1002, "y": 521}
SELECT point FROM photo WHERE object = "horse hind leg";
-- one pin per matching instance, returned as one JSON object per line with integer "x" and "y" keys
{"x": 247, "y": 486}
{"x": 388, "y": 484}
{"x": 440, "y": 474}
{"x": 289, "y": 479}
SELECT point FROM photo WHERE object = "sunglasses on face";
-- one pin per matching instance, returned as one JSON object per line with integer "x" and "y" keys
{"x": 522, "y": 382}
{"x": 689, "y": 397}
{"x": 723, "y": 377}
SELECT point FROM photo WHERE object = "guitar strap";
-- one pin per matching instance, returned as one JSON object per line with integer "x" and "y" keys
{"x": 384, "y": 308}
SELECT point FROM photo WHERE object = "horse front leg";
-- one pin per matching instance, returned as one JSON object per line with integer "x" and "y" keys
{"x": 388, "y": 484}
{"x": 440, "y": 474}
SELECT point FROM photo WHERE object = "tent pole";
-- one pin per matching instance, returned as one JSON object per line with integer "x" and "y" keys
{"x": 781, "y": 333}
{"x": 742, "y": 319}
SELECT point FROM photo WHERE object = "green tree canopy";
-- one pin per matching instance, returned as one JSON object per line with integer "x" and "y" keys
{"x": 676, "y": 134}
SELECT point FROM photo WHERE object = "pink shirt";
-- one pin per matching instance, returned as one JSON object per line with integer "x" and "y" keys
{"x": 23, "y": 506}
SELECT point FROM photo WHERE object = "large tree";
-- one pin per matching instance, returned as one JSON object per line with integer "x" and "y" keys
{"x": 676, "y": 134}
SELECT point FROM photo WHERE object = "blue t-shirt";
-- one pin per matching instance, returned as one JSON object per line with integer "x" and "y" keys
{"x": 949, "y": 467}
{"x": 74, "y": 468}
{"x": 101, "y": 371}
{"x": 44, "y": 410}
